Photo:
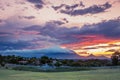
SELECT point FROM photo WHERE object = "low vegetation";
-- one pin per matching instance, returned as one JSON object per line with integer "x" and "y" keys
{"x": 52, "y": 62}
{"x": 59, "y": 69}
{"x": 46, "y": 64}
{"x": 100, "y": 74}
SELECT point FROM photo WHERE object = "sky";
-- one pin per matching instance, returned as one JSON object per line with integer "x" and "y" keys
{"x": 84, "y": 26}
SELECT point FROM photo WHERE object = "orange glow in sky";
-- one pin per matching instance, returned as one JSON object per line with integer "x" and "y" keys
{"x": 84, "y": 26}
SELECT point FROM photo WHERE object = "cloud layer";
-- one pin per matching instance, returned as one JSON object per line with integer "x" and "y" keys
{"x": 74, "y": 24}
{"x": 38, "y": 3}
{"x": 90, "y": 10}
{"x": 108, "y": 29}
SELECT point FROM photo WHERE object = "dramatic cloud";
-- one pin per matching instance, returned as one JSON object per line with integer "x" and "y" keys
{"x": 4, "y": 34}
{"x": 68, "y": 7}
{"x": 71, "y": 7}
{"x": 37, "y": 24}
{"x": 24, "y": 40}
{"x": 54, "y": 33}
{"x": 90, "y": 10}
{"x": 108, "y": 29}
{"x": 13, "y": 45}
{"x": 38, "y": 3}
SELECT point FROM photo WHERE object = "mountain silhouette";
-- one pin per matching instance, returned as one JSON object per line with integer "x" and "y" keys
{"x": 53, "y": 52}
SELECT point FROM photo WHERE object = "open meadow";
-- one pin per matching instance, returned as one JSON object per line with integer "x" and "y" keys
{"x": 100, "y": 74}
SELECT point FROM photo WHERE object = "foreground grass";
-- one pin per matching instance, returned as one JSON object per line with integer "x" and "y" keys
{"x": 35, "y": 69}
{"x": 101, "y": 74}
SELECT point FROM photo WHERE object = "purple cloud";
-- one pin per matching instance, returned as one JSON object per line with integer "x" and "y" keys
{"x": 68, "y": 7}
{"x": 53, "y": 32}
{"x": 38, "y": 3}
{"x": 109, "y": 29}
{"x": 90, "y": 10}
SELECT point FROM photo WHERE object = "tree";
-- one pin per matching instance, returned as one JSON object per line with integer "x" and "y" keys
{"x": 115, "y": 58}
{"x": 1, "y": 60}
{"x": 45, "y": 59}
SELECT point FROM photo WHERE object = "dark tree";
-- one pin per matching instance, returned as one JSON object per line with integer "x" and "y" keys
{"x": 45, "y": 59}
{"x": 115, "y": 58}
{"x": 1, "y": 60}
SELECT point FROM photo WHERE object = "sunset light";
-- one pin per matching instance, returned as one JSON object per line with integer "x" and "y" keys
{"x": 83, "y": 26}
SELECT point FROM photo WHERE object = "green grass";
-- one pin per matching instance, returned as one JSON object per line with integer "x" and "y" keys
{"x": 35, "y": 69}
{"x": 101, "y": 74}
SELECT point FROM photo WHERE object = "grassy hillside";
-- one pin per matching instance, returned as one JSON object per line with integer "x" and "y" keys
{"x": 101, "y": 74}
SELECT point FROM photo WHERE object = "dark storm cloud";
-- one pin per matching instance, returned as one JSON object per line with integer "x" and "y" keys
{"x": 7, "y": 45}
{"x": 9, "y": 37}
{"x": 4, "y": 33}
{"x": 5, "y": 36}
{"x": 90, "y": 10}
{"x": 10, "y": 41}
{"x": 38, "y": 3}
{"x": 52, "y": 30}
{"x": 109, "y": 29}
{"x": 68, "y": 7}
{"x": 71, "y": 7}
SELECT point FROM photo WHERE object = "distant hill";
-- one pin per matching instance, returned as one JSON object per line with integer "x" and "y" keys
{"x": 91, "y": 56}
{"x": 53, "y": 52}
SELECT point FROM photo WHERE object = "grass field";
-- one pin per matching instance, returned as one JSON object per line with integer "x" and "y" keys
{"x": 101, "y": 74}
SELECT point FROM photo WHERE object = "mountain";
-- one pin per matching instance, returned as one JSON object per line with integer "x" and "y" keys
{"x": 91, "y": 56}
{"x": 53, "y": 52}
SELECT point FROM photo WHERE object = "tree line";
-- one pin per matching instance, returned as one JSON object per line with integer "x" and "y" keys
{"x": 115, "y": 60}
